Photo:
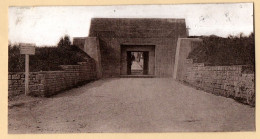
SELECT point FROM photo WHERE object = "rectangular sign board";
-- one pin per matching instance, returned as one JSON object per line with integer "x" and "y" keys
{"x": 27, "y": 48}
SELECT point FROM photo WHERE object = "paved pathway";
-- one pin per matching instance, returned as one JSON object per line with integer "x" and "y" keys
{"x": 132, "y": 105}
{"x": 136, "y": 66}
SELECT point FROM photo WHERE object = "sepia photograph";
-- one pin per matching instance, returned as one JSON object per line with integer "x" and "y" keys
{"x": 173, "y": 68}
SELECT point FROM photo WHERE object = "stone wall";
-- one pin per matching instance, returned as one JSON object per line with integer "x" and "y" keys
{"x": 228, "y": 81}
{"x": 184, "y": 47}
{"x": 80, "y": 42}
{"x": 92, "y": 48}
{"x": 110, "y": 49}
{"x": 113, "y": 33}
{"x": 47, "y": 83}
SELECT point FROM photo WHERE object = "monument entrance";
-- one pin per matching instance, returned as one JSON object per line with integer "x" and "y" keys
{"x": 137, "y": 59}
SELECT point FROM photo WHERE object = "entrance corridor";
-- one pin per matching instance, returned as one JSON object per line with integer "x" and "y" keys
{"x": 132, "y": 105}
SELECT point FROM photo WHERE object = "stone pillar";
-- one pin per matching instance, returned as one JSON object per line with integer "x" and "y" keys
{"x": 92, "y": 48}
{"x": 184, "y": 47}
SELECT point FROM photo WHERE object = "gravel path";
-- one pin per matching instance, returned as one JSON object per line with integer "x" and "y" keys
{"x": 132, "y": 105}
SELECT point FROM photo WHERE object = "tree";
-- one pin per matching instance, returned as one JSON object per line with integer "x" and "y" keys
{"x": 64, "y": 42}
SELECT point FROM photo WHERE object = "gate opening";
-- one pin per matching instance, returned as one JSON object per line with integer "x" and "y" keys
{"x": 137, "y": 62}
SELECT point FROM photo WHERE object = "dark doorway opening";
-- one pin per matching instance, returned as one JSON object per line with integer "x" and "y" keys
{"x": 137, "y": 62}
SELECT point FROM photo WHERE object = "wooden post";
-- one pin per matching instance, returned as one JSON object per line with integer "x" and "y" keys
{"x": 27, "y": 49}
{"x": 26, "y": 74}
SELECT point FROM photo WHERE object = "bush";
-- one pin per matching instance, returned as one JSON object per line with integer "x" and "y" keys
{"x": 45, "y": 58}
{"x": 218, "y": 51}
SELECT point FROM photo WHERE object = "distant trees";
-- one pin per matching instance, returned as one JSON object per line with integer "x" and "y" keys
{"x": 64, "y": 42}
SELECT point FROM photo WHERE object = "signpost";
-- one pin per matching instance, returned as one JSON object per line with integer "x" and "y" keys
{"x": 27, "y": 49}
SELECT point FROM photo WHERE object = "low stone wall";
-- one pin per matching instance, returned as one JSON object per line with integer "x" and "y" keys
{"x": 228, "y": 81}
{"x": 47, "y": 83}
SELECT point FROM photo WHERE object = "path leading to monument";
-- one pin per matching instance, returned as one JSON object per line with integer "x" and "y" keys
{"x": 136, "y": 66}
{"x": 131, "y": 105}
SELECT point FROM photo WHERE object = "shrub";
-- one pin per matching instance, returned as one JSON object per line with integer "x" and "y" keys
{"x": 45, "y": 58}
{"x": 218, "y": 51}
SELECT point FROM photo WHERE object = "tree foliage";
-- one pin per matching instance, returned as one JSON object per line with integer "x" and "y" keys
{"x": 64, "y": 42}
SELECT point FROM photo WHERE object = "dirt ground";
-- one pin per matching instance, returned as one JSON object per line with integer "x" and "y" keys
{"x": 129, "y": 105}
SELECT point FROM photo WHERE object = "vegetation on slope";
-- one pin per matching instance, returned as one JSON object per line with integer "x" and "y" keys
{"x": 46, "y": 58}
{"x": 218, "y": 51}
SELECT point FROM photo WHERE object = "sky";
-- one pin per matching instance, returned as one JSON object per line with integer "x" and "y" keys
{"x": 46, "y": 25}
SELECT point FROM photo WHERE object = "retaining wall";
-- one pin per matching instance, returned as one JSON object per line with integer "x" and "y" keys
{"x": 47, "y": 83}
{"x": 228, "y": 81}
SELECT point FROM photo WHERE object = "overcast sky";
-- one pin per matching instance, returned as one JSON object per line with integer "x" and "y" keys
{"x": 45, "y": 25}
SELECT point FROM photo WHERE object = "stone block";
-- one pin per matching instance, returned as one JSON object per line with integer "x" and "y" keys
{"x": 33, "y": 87}
{"x": 15, "y": 77}
{"x": 41, "y": 86}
